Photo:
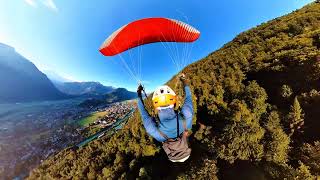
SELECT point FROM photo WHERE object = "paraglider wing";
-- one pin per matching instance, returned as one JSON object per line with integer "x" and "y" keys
{"x": 149, "y": 30}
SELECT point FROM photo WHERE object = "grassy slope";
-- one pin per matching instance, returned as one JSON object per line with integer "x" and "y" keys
{"x": 236, "y": 89}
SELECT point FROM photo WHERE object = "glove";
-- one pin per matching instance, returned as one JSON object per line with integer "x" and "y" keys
{"x": 183, "y": 79}
{"x": 182, "y": 76}
{"x": 139, "y": 90}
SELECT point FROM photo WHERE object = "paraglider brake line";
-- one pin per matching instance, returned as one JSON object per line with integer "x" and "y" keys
{"x": 144, "y": 92}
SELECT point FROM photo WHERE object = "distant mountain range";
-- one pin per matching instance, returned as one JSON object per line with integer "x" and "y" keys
{"x": 71, "y": 87}
{"x": 117, "y": 95}
{"x": 21, "y": 80}
{"x": 120, "y": 94}
{"x": 83, "y": 88}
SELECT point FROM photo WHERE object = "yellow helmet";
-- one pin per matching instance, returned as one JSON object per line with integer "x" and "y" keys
{"x": 163, "y": 96}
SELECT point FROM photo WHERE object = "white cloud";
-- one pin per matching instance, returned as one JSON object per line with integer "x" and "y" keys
{"x": 50, "y": 4}
{"x": 31, "y": 3}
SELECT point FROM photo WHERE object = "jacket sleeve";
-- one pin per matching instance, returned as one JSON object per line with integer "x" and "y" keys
{"x": 149, "y": 124}
{"x": 187, "y": 108}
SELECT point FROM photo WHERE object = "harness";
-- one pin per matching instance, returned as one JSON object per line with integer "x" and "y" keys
{"x": 178, "y": 128}
{"x": 177, "y": 149}
{"x": 156, "y": 118}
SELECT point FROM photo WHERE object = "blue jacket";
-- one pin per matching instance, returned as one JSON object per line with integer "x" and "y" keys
{"x": 168, "y": 119}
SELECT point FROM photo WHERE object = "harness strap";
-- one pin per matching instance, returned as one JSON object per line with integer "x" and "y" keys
{"x": 184, "y": 125}
{"x": 178, "y": 134}
{"x": 163, "y": 135}
{"x": 177, "y": 124}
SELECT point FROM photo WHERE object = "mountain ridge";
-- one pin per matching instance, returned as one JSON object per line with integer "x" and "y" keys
{"x": 83, "y": 88}
{"x": 26, "y": 82}
{"x": 117, "y": 95}
{"x": 77, "y": 88}
{"x": 256, "y": 114}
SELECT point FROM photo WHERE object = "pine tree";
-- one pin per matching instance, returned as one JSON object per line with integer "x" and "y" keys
{"x": 310, "y": 156}
{"x": 241, "y": 137}
{"x": 295, "y": 117}
{"x": 303, "y": 173}
{"x": 276, "y": 140}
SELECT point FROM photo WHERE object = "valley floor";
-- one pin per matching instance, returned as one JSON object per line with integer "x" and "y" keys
{"x": 31, "y": 132}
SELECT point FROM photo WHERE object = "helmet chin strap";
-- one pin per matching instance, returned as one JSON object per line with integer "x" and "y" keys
{"x": 167, "y": 107}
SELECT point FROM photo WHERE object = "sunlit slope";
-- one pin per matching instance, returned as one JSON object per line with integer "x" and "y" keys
{"x": 254, "y": 98}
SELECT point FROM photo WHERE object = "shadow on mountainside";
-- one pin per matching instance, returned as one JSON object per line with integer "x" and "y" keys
{"x": 295, "y": 76}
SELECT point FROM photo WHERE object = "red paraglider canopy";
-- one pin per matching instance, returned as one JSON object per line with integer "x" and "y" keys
{"x": 146, "y": 31}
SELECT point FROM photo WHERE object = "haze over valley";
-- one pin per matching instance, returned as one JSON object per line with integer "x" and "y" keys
{"x": 39, "y": 112}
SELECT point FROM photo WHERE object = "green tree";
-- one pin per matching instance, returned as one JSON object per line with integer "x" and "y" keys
{"x": 107, "y": 172}
{"x": 207, "y": 170}
{"x": 286, "y": 91}
{"x": 295, "y": 117}
{"x": 310, "y": 156}
{"x": 277, "y": 141}
{"x": 303, "y": 173}
{"x": 285, "y": 171}
{"x": 256, "y": 97}
{"x": 143, "y": 174}
{"x": 241, "y": 137}
{"x": 316, "y": 40}
{"x": 295, "y": 29}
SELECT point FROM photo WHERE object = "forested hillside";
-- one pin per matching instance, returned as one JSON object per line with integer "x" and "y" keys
{"x": 257, "y": 103}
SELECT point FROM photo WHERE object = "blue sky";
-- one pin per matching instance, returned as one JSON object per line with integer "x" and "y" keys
{"x": 65, "y": 35}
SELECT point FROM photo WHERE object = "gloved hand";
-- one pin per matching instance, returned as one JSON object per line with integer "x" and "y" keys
{"x": 183, "y": 79}
{"x": 139, "y": 90}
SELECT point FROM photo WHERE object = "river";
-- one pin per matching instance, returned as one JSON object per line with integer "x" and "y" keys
{"x": 117, "y": 125}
